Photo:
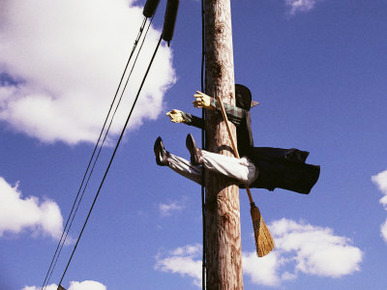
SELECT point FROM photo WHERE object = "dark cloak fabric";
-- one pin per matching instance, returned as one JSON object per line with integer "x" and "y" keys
{"x": 283, "y": 168}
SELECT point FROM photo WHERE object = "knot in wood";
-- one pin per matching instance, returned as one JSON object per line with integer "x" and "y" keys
{"x": 220, "y": 28}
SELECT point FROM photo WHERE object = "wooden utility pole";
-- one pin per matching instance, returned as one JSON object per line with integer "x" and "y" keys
{"x": 223, "y": 230}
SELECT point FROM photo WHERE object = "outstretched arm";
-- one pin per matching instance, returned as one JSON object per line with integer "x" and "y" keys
{"x": 204, "y": 101}
{"x": 178, "y": 116}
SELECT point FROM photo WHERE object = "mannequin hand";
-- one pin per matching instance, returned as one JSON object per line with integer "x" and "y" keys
{"x": 202, "y": 101}
{"x": 176, "y": 116}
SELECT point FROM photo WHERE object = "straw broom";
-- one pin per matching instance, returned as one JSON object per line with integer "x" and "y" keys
{"x": 263, "y": 240}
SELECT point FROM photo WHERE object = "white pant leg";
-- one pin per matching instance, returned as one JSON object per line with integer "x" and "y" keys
{"x": 185, "y": 168}
{"x": 241, "y": 169}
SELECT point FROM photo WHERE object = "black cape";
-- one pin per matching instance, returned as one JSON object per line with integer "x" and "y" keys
{"x": 283, "y": 168}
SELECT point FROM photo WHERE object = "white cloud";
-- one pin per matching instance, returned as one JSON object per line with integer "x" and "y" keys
{"x": 381, "y": 181}
{"x": 67, "y": 58}
{"x": 316, "y": 250}
{"x": 74, "y": 285}
{"x": 167, "y": 209}
{"x": 262, "y": 271}
{"x": 300, "y": 248}
{"x": 48, "y": 287}
{"x": 18, "y": 214}
{"x": 297, "y": 6}
{"x": 383, "y": 230}
{"x": 185, "y": 261}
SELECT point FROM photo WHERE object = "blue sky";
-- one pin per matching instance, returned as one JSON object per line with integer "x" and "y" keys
{"x": 318, "y": 69}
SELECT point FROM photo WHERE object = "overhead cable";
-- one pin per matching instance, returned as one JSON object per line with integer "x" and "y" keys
{"x": 170, "y": 30}
{"x": 94, "y": 157}
{"x": 203, "y": 135}
{"x": 111, "y": 161}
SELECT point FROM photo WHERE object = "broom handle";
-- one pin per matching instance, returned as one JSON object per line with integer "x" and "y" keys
{"x": 263, "y": 239}
{"x": 232, "y": 141}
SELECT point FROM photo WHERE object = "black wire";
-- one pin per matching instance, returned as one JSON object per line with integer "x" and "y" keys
{"x": 76, "y": 201}
{"x": 111, "y": 160}
{"x": 204, "y": 247}
{"x": 118, "y": 104}
{"x": 115, "y": 111}
{"x": 112, "y": 118}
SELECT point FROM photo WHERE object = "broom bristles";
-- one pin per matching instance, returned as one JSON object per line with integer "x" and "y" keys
{"x": 263, "y": 240}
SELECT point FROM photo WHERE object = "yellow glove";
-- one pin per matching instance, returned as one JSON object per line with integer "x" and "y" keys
{"x": 176, "y": 116}
{"x": 202, "y": 101}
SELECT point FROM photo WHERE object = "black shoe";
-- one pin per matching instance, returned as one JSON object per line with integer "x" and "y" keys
{"x": 196, "y": 153}
{"x": 160, "y": 152}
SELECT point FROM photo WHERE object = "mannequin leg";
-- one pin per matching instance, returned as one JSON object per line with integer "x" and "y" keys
{"x": 241, "y": 169}
{"x": 185, "y": 168}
